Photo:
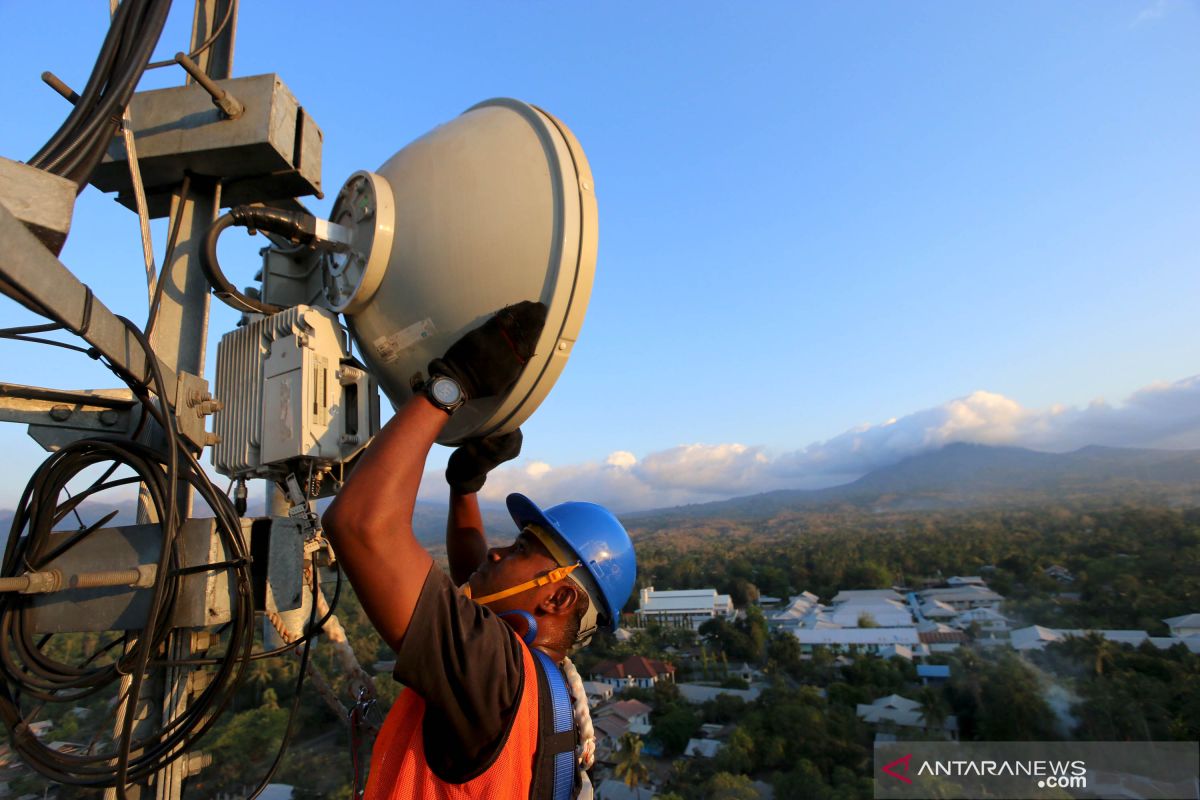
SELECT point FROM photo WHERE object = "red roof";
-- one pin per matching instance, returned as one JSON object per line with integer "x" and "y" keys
{"x": 633, "y": 667}
{"x": 942, "y": 637}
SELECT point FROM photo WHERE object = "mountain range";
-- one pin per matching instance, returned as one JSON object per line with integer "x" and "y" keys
{"x": 971, "y": 475}
{"x": 957, "y": 476}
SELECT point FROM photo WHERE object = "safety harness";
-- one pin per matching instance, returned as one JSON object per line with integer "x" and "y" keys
{"x": 554, "y": 776}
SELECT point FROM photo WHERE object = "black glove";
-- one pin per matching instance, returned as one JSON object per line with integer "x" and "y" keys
{"x": 488, "y": 360}
{"x": 474, "y": 459}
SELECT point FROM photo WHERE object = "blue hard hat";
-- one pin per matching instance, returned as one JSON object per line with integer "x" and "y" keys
{"x": 593, "y": 534}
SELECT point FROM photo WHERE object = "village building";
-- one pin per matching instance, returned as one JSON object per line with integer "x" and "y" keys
{"x": 682, "y": 608}
{"x": 894, "y": 711}
{"x": 962, "y": 598}
{"x": 1182, "y": 627}
{"x": 613, "y": 789}
{"x": 634, "y": 672}
{"x": 597, "y": 692}
{"x": 698, "y": 694}
{"x": 884, "y": 642}
{"x": 701, "y": 748}
{"x": 1037, "y": 637}
{"x": 635, "y": 713}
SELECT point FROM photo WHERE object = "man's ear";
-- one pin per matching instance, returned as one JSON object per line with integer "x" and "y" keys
{"x": 561, "y": 601}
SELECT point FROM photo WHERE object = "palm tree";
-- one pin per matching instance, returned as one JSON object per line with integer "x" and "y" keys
{"x": 259, "y": 677}
{"x": 1105, "y": 653}
{"x": 933, "y": 708}
{"x": 629, "y": 765}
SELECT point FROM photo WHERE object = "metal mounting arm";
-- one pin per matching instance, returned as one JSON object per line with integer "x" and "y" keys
{"x": 33, "y": 277}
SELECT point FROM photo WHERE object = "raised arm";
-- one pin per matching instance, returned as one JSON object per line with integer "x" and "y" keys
{"x": 370, "y": 521}
{"x": 466, "y": 472}
{"x": 466, "y": 542}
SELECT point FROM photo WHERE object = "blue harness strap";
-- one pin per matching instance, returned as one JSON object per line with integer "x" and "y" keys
{"x": 560, "y": 743}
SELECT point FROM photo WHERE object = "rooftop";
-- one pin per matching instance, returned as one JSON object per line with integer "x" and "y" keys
{"x": 705, "y": 748}
{"x": 626, "y": 709}
{"x": 861, "y": 636}
{"x": 854, "y": 594}
{"x": 633, "y": 667}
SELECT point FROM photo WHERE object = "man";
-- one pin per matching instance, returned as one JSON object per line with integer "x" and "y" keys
{"x": 478, "y": 718}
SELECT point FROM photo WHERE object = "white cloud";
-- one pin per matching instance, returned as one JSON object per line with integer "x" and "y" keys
{"x": 1153, "y": 11}
{"x": 1163, "y": 415}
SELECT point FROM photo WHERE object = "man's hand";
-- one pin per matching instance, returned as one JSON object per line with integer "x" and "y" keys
{"x": 488, "y": 360}
{"x": 470, "y": 464}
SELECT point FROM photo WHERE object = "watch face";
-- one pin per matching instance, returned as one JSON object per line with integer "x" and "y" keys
{"x": 445, "y": 391}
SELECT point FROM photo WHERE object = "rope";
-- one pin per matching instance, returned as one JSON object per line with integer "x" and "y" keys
{"x": 586, "y": 753}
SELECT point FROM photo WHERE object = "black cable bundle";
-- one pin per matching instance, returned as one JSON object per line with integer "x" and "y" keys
{"x": 80, "y": 142}
{"x": 28, "y": 672}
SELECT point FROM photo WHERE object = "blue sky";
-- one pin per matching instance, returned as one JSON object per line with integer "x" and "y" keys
{"x": 976, "y": 219}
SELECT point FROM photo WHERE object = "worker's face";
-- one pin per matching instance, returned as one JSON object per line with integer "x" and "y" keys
{"x": 503, "y": 567}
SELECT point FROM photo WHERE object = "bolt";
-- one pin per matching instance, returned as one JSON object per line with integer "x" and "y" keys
{"x": 196, "y": 397}
{"x": 211, "y": 439}
{"x": 60, "y": 413}
{"x": 108, "y": 417}
{"x": 209, "y": 407}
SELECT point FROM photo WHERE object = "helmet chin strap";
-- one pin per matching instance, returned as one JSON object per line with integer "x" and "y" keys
{"x": 552, "y": 576}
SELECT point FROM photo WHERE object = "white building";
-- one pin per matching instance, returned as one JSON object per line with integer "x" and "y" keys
{"x": 882, "y": 612}
{"x": 1187, "y": 625}
{"x": 900, "y": 712}
{"x": 597, "y": 692}
{"x": 879, "y": 641}
{"x": 990, "y": 623}
{"x": 882, "y": 608}
{"x": 701, "y": 748}
{"x": 936, "y": 609}
{"x": 967, "y": 580}
{"x": 634, "y": 672}
{"x": 1036, "y": 637}
{"x": 698, "y": 694}
{"x": 682, "y": 608}
{"x": 963, "y": 598}
{"x": 849, "y": 595}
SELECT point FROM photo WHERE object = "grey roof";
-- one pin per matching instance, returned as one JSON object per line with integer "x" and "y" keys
{"x": 969, "y": 592}
{"x": 702, "y": 747}
{"x": 695, "y": 693}
{"x": 863, "y": 636}
{"x": 613, "y": 789}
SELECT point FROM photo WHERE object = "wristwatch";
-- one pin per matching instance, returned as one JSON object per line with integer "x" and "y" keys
{"x": 445, "y": 393}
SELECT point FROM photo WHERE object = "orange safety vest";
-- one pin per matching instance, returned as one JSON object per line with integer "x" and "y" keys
{"x": 399, "y": 770}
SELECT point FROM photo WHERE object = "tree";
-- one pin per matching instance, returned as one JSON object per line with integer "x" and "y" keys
{"x": 737, "y": 756}
{"x": 933, "y": 707}
{"x": 784, "y": 649}
{"x": 674, "y": 727}
{"x": 630, "y": 768}
{"x": 724, "y": 786}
